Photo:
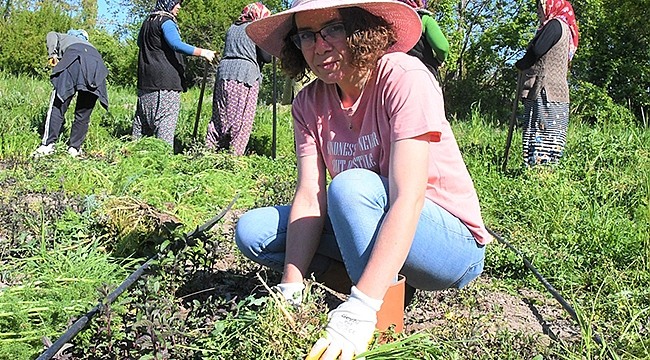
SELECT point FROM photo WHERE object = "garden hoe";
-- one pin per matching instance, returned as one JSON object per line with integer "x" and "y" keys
{"x": 513, "y": 117}
{"x": 274, "y": 140}
{"x": 198, "y": 110}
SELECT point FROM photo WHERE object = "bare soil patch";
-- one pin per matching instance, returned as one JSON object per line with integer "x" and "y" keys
{"x": 483, "y": 310}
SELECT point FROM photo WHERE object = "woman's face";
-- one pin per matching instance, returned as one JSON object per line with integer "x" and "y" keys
{"x": 175, "y": 9}
{"x": 327, "y": 59}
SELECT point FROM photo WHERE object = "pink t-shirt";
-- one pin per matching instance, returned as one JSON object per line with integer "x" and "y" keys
{"x": 401, "y": 100}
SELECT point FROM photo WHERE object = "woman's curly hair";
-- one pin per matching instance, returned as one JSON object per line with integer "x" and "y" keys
{"x": 369, "y": 37}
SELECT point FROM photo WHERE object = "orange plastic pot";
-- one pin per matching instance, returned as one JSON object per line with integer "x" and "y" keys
{"x": 392, "y": 309}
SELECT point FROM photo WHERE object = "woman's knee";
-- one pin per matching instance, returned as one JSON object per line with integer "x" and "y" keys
{"x": 258, "y": 229}
{"x": 248, "y": 234}
{"x": 353, "y": 185}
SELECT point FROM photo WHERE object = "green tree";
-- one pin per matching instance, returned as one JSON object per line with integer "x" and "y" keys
{"x": 89, "y": 13}
{"x": 486, "y": 37}
{"x": 23, "y": 50}
{"x": 120, "y": 57}
{"x": 204, "y": 23}
{"x": 614, "y": 50}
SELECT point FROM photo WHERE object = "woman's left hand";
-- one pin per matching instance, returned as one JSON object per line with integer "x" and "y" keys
{"x": 349, "y": 330}
{"x": 207, "y": 54}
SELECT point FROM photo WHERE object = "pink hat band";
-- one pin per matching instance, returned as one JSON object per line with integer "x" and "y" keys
{"x": 269, "y": 33}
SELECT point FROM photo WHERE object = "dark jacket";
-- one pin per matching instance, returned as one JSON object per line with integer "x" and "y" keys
{"x": 159, "y": 66}
{"x": 423, "y": 51}
{"x": 81, "y": 69}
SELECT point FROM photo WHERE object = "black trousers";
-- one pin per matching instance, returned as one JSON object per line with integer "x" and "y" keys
{"x": 56, "y": 117}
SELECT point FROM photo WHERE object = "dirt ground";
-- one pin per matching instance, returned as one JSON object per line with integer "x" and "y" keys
{"x": 483, "y": 307}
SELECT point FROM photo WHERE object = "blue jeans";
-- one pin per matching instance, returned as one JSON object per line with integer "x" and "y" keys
{"x": 443, "y": 254}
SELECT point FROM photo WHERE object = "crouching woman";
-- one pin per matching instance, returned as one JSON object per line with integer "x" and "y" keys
{"x": 401, "y": 200}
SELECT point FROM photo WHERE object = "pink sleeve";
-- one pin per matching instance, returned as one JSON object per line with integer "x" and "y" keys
{"x": 416, "y": 102}
{"x": 304, "y": 136}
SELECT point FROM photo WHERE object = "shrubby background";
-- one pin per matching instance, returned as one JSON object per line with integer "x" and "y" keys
{"x": 611, "y": 68}
{"x": 71, "y": 230}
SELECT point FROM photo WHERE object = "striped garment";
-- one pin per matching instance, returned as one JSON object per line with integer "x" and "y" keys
{"x": 544, "y": 130}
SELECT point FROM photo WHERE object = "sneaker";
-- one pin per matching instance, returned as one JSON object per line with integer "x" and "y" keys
{"x": 74, "y": 152}
{"x": 44, "y": 150}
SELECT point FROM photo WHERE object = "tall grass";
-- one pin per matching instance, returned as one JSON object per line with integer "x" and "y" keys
{"x": 583, "y": 223}
{"x": 48, "y": 286}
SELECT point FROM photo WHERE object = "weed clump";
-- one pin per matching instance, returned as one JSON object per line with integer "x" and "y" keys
{"x": 137, "y": 226}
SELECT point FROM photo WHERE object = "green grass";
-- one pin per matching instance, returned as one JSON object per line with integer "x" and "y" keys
{"x": 583, "y": 223}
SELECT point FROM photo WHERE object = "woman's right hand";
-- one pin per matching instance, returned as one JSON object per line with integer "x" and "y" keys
{"x": 291, "y": 292}
{"x": 207, "y": 54}
{"x": 349, "y": 330}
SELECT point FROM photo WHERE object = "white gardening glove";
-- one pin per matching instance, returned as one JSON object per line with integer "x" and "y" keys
{"x": 349, "y": 330}
{"x": 291, "y": 292}
{"x": 207, "y": 54}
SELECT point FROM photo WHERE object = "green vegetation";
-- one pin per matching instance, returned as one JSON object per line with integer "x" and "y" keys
{"x": 486, "y": 37}
{"x": 72, "y": 230}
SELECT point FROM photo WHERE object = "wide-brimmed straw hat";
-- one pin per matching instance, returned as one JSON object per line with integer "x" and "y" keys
{"x": 269, "y": 33}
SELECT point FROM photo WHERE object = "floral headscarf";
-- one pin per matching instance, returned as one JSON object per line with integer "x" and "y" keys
{"x": 563, "y": 11}
{"x": 164, "y": 8}
{"x": 252, "y": 12}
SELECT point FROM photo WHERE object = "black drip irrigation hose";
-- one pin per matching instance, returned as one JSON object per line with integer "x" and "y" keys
{"x": 81, "y": 322}
{"x": 210, "y": 223}
{"x": 546, "y": 284}
{"x": 73, "y": 330}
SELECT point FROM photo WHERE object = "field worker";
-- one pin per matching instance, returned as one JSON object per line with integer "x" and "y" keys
{"x": 161, "y": 72}
{"x": 77, "y": 68}
{"x": 545, "y": 93}
{"x": 234, "y": 99}
{"x": 400, "y": 201}
{"x": 433, "y": 47}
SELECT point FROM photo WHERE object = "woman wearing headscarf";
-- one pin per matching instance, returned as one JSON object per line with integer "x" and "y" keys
{"x": 161, "y": 72}
{"x": 237, "y": 86}
{"x": 77, "y": 68}
{"x": 432, "y": 48}
{"x": 545, "y": 92}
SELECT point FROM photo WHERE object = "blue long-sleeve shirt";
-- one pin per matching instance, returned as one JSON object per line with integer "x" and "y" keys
{"x": 173, "y": 38}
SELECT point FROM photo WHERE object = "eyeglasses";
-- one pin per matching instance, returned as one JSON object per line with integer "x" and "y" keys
{"x": 306, "y": 39}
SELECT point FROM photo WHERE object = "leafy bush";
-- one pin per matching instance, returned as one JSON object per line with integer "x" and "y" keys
{"x": 593, "y": 105}
{"x": 23, "y": 49}
{"x": 120, "y": 57}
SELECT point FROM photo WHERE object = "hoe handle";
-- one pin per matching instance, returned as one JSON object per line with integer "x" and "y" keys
{"x": 513, "y": 117}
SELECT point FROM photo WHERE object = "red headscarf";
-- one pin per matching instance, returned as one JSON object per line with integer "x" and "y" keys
{"x": 563, "y": 11}
{"x": 254, "y": 11}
